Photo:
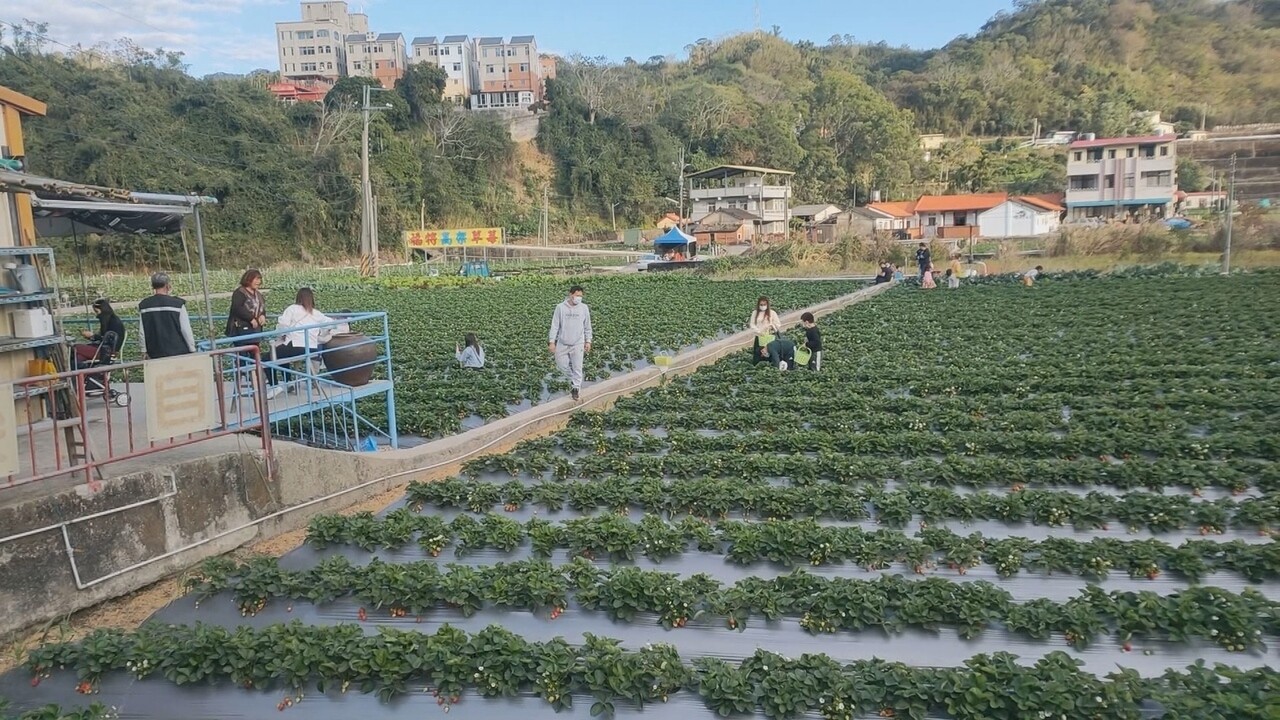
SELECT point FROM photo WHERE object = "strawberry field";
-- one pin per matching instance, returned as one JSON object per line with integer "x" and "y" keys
{"x": 994, "y": 503}
{"x": 634, "y": 318}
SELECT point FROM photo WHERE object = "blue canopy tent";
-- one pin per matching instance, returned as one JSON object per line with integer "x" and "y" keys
{"x": 676, "y": 239}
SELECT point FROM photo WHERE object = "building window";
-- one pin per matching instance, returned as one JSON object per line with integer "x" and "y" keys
{"x": 1164, "y": 151}
{"x": 1159, "y": 178}
{"x": 457, "y": 67}
{"x": 322, "y": 33}
{"x": 1109, "y": 182}
{"x": 1148, "y": 151}
{"x": 330, "y": 66}
{"x": 1128, "y": 153}
{"x": 308, "y": 67}
{"x": 1095, "y": 155}
{"x": 1083, "y": 182}
{"x": 511, "y": 52}
{"x": 524, "y": 67}
{"x": 1128, "y": 181}
{"x": 307, "y": 50}
{"x": 305, "y": 35}
{"x": 445, "y": 51}
{"x": 1078, "y": 156}
{"x": 933, "y": 220}
{"x": 357, "y": 65}
{"x": 488, "y": 69}
{"x": 961, "y": 219}
{"x": 1111, "y": 154}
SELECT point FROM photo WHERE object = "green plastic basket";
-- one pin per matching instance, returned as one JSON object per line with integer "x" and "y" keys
{"x": 803, "y": 354}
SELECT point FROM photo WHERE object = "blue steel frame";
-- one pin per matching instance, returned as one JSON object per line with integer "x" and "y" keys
{"x": 322, "y": 392}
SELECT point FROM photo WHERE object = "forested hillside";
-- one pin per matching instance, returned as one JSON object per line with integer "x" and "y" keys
{"x": 845, "y": 115}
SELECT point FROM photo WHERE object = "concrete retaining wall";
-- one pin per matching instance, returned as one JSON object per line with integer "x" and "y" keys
{"x": 174, "y": 517}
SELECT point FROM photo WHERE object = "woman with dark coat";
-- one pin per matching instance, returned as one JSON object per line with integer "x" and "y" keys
{"x": 110, "y": 327}
{"x": 248, "y": 315}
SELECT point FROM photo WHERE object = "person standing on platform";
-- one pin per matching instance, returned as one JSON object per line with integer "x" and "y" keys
{"x": 164, "y": 324}
{"x": 570, "y": 337}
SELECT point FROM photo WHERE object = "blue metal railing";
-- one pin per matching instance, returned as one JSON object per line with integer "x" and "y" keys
{"x": 324, "y": 411}
{"x": 314, "y": 419}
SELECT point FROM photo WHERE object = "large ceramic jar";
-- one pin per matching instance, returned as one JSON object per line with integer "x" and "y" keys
{"x": 349, "y": 357}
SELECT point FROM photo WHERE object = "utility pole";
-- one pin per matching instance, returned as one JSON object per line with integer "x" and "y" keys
{"x": 545, "y": 230}
{"x": 1231, "y": 201}
{"x": 368, "y": 220}
{"x": 680, "y": 182}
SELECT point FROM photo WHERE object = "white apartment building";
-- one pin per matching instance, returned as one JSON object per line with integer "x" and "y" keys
{"x": 455, "y": 54}
{"x": 509, "y": 74}
{"x": 1122, "y": 177}
{"x": 313, "y": 48}
{"x": 763, "y": 192}
{"x": 381, "y": 56}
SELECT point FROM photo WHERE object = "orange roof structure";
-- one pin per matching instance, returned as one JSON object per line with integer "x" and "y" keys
{"x": 959, "y": 203}
{"x": 895, "y": 209}
{"x": 1038, "y": 202}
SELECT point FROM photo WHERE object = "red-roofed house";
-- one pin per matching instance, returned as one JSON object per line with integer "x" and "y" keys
{"x": 899, "y": 216}
{"x": 954, "y": 216}
{"x": 1022, "y": 216}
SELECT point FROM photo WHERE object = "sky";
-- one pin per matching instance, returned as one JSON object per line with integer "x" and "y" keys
{"x": 237, "y": 36}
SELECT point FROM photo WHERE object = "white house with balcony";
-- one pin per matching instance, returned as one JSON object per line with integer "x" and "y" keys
{"x": 763, "y": 192}
{"x": 1129, "y": 177}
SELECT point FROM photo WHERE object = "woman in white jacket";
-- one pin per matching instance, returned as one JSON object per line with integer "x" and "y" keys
{"x": 763, "y": 321}
{"x": 300, "y": 314}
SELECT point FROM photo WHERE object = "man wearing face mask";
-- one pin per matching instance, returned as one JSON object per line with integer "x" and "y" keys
{"x": 570, "y": 337}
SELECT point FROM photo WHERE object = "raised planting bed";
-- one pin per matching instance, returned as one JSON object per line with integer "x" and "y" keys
{"x": 995, "y": 503}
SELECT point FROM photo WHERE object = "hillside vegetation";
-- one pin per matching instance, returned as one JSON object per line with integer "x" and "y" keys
{"x": 845, "y": 115}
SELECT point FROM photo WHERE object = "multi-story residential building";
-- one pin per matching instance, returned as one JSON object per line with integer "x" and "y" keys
{"x": 312, "y": 50}
{"x": 509, "y": 74}
{"x": 455, "y": 54}
{"x": 1121, "y": 177}
{"x": 763, "y": 192}
{"x": 380, "y": 56}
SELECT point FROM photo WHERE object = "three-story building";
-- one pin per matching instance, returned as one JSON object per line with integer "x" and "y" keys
{"x": 763, "y": 192}
{"x": 1122, "y": 177}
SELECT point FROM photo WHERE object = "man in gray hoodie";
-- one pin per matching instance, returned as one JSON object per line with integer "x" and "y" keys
{"x": 570, "y": 336}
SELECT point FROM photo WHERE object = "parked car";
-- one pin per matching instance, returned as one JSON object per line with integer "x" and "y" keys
{"x": 645, "y": 260}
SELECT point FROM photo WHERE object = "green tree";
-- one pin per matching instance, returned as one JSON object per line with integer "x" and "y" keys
{"x": 421, "y": 87}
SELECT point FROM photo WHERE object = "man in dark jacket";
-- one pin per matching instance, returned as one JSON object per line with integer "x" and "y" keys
{"x": 923, "y": 260}
{"x": 165, "y": 324}
{"x": 781, "y": 351}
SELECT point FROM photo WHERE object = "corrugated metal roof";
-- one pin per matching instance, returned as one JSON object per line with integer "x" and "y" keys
{"x": 490, "y": 41}
{"x": 389, "y": 37}
{"x": 454, "y": 38}
{"x": 521, "y": 39}
{"x": 728, "y": 170}
{"x": 1036, "y": 202}
{"x": 355, "y": 37}
{"x": 895, "y": 209}
{"x": 810, "y": 210}
{"x": 429, "y": 40}
{"x": 1137, "y": 140}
